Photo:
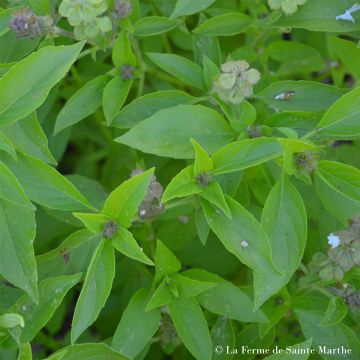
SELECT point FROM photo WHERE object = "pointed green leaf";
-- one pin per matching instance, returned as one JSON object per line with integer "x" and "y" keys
{"x": 162, "y": 296}
{"x": 213, "y": 193}
{"x": 94, "y": 222}
{"x": 28, "y": 136}
{"x": 157, "y": 135}
{"x": 226, "y": 299}
{"x": 44, "y": 185}
{"x": 51, "y": 293}
{"x": 285, "y": 222}
{"x": 191, "y": 327}
{"x": 37, "y": 74}
{"x": 189, "y": 7}
{"x": 17, "y": 259}
{"x": 228, "y": 24}
{"x": 137, "y": 326}
{"x": 180, "y": 67}
{"x": 243, "y": 154}
{"x": 114, "y": 97}
{"x": 203, "y": 162}
{"x": 11, "y": 190}
{"x": 122, "y": 204}
{"x": 125, "y": 242}
{"x": 147, "y": 105}
{"x": 96, "y": 289}
{"x": 154, "y": 25}
{"x": 166, "y": 263}
{"x": 83, "y": 103}
{"x": 122, "y": 53}
{"x": 338, "y": 187}
{"x": 182, "y": 185}
{"x": 189, "y": 287}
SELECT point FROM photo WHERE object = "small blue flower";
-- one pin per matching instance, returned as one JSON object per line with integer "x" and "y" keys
{"x": 333, "y": 241}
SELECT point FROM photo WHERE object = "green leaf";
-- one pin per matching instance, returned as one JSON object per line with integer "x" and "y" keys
{"x": 83, "y": 103}
{"x": 242, "y": 227}
{"x": 189, "y": 7}
{"x": 137, "y": 326}
{"x": 341, "y": 120}
{"x": 87, "y": 351}
{"x": 335, "y": 312}
{"x": 331, "y": 337}
{"x": 189, "y": 287}
{"x": 214, "y": 195}
{"x": 94, "y": 222}
{"x": 347, "y": 52}
{"x": 51, "y": 293}
{"x": 157, "y": 135}
{"x": 166, "y": 262}
{"x": 180, "y": 67}
{"x": 244, "y": 237}
{"x": 203, "y": 163}
{"x": 161, "y": 296}
{"x": 224, "y": 25}
{"x": 154, "y": 25}
{"x": 320, "y": 15}
{"x": 96, "y": 289}
{"x": 72, "y": 256}
{"x": 10, "y": 320}
{"x": 17, "y": 260}
{"x": 191, "y": 327}
{"x": 11, "y": 190}
{"x": 122, "y": 53}
{"x": 28, "y": 136}
{"x": 149, "y": 104}
{"x": 41, "y": 7}
{"x": 243, "y": 154}
{"x": 223, "y": 332}
{"x": 308, "y": 95}
{"x": 115, "y": 93}
{"x": 299, "y": 351}
{"x": 226, "y": 299}
{"x": 44, "y": 185}
{"x": 125, "y": 242}
{"x": 202, "y": 226}
{"x": 25, "y": 352}
{"x": 182, "y": 185}
{"x": 7, "y": 145}
{"x": 122, "y": 204}
{"x": 295, "y": 57}
{"x": 285, "y": 222}
{"x": 211, "y": 72}
{"x": 37, "y": 74}
{"x": 338, "y": 187}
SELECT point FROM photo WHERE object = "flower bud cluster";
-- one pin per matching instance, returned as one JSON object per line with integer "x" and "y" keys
{"x": 235, "y": 83}
{"x": 122, "y": 9}
{"x": 86, "y": 17}
{"x": 342, "y": 256}
{"x": 26, "y": 24}
{"x": 151, "y": 206}
{"x": 306, "y": 162}
{"x": 288, "y": 6}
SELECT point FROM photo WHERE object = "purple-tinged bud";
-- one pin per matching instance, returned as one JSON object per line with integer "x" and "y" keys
{"x": 122, "y": 9}
{"x": 127, "y": 72}
{"x": 110, "y": 229}
{"x": 25, "y": 23}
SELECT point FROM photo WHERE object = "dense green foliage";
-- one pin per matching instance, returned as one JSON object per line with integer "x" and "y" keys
{"x": 179, "y": 179}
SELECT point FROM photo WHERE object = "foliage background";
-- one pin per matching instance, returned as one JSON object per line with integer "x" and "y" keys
{"x": 246, "y": 196}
